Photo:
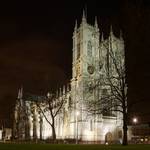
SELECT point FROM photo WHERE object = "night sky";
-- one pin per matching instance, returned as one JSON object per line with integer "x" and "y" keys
{"x": 36, "y": 46}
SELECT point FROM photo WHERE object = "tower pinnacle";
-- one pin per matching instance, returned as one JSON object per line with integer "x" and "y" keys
{"x": 111, "y": 30}
{"x": 20, "y": 93}
{"x": 96, "y": 24}
{"x": 83, "y": 16}
{"x": 64, "y": 90}
{"x": 111, "y": 33}
{"x": 102, "y": 37}
{"x": 76, "y": 26}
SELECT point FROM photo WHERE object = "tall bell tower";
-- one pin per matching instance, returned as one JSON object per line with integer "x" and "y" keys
{"x": 85, "y": 49}
{"x": 85, "y": 63}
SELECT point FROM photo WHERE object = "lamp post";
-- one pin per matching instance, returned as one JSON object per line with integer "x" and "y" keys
{"x": 77, "y": 115}
{"x": 135, "y": 120}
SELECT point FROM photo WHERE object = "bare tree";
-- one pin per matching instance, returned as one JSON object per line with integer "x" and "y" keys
{"x": 50, "y": 107}
{"x": 118, "y": 91}
{"x": 112, "y": 84}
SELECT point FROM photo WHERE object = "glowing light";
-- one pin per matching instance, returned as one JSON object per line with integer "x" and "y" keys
{"x": 142, "y": 140}
{"x": 135, "y": 120}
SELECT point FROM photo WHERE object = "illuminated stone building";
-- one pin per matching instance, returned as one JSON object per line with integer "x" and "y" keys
{"x": 90, "y": 60}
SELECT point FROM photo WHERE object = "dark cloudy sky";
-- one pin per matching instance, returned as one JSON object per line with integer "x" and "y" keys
{"x": 36, "y": 45}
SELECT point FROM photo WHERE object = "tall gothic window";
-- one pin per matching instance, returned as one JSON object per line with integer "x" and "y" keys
{"x": 78, "y": 50}
{"x": 73, "y": 50}
{"x": 78, "y": 45}
{"x": 89, "y": 49}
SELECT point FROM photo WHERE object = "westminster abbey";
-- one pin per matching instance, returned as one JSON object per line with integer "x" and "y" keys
{"x": 89, "y": 62}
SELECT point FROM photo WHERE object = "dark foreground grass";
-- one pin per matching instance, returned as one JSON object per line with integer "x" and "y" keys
{"x": 6, "y": 146}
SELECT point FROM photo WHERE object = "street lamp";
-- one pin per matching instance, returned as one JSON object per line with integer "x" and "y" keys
{"x": 135, "y": 120}
{"x": 77, "y": 115}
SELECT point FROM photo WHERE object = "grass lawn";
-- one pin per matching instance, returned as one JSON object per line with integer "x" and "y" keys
{"x": 7, "y": 146}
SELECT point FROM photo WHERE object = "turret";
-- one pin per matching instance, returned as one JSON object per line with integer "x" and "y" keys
{"x": 76, "y": 26}
{"x": 96, "y": 24}
{"x": 20, "y": 96}
{"x": 111, "y": 33}
{"x": 57, "y": 93}
{"x": 64, "y": 90}
{"x": 84, "y": 18}
{"x": 121, "y": 36}
{"x": 60, "y": 92}
{"x": 102, "y": 37}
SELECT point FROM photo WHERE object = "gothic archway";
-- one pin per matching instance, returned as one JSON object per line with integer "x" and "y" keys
{"x": 108, "y": 137}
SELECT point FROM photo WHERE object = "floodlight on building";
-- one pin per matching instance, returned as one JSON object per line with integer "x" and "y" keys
{"x": 135, "y": 120}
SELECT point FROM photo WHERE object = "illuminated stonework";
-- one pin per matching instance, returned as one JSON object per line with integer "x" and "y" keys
{"x": 89, "y": 62}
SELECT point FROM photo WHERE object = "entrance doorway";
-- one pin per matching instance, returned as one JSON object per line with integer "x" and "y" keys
{"x": 108, "y": 138}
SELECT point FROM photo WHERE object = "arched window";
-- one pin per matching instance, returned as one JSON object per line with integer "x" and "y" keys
{"x": 78, "y": 50}
{"x": 89, "y": 49}
{"x": 108, "y": 137}
{"x": 69, "y": 103}
{"x": 78, "y": 46}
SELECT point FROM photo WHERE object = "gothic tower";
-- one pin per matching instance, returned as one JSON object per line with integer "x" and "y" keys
{"x": 91, "y": 64}
{"x": 85, "y": 66}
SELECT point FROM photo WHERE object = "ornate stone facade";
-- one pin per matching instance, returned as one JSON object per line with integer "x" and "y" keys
{"x": 90, "y": 60}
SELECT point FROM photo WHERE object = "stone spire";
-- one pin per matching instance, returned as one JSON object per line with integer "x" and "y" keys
{"x": 64, "y": 90}
{"x": 76, "y": 26}
{"x": 18, "y": 94}
{"x": 111, "y": 37}
{"x": 121, "y": 35}
{"x": 102, "y": 37}
{"x": 60, "y": 92}
{"x": 96, "y": 24}
{"x": 83, "y": 17}
{"x": 111, "y": 31}
{"x": 21, "y": 91}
